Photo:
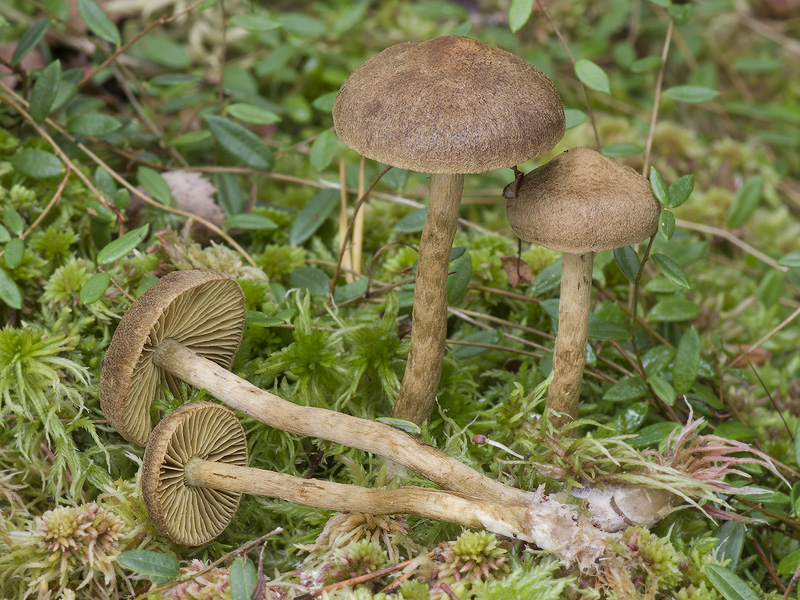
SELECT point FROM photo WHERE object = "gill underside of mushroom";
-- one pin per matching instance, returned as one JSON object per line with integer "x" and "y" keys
{"x": 569, "y": 355}
{"x": 429, "y": 317}
{"x": 548, "y": 524}
{"x": 369, "y": 436}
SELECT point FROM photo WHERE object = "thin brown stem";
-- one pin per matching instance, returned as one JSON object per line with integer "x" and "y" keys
{"x": 53, "y": 201}
{"x": 657, "y": 100}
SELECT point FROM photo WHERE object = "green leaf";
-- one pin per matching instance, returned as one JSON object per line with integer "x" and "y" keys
{"x": 628, "y": 262}
{"x": 321, "y": 153}
{"x": 519, "y": 13}
{"x": 666, "y": 224}
{"x": 98, "y": 22}
{"x": 646, "y": 64}
{"x": 687, "y": 361}
{"x": 730, "y": 541}
{"x": 671, "y": 270}
{"x": 250, "y": 113}
{"x": 9, "y": 291}
{"x": 745, "y": 202}
{"x": 729, "y": 584}
{"x": 548, "y": 279}
{"x": 28, "y": 40}
{"x": 690, "y": 93}
{"x": 660, "y": 189}
{"x": 653, "y": 434}
{"x": 44, "y": 91}
{"x": 313, "y": 216}
{"x": 312, "y": 279}
{"x": 250, "y": 222}
{"x": 607, "y": 330}
{"x": 243, "y": 579}
{"x": 121, "y": 198}
{"x": 94, "y": 289}
{"x": 663, "y": 389}
{"x": 259, "y": 319}
{"x": 592, "y": 76}
{"x": 790, "y": 260}
{"x": 120, "y": 247}
{"x": 735, "y": 431}
{"x": 325, "y": 102}
{"x": 190, "y": 138}
{"x": 574, "y": 117}
{"x": 229, "y": 193}
{"x": 4, "y": 235}
{"x": 175, "y": 79}
{"x": 14, "y": 251}
{"x": 14, "y": 220}
{"x": 155, "y": 185}
{"x": 622, "y": 150}
{"x": 37, "y": 164}
{"x": 770, "y": 288}
{"x": 460, "y": 273}
{"x": 92, "y": 124}
{"x": 487, "y": 336}
{"x": 680, "y": 190}
{"x": 673, "y": 309}
{"x": 257, "y": 22}
{"x": 162, "y": 568}
{"x": 797, "y": 442}
{"x": 240, "y": 142}
{"x": 413, "y": 221}
{"x": 351, "y": 290}
{"x": 350, "y": 18}
{"x": 626, "y": 390}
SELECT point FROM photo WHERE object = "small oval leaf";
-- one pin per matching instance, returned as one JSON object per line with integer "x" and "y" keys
{"x": 161, "y": 567}
{"x": 312, "y": 279}
{"x": 250, "y": 113}
{"x": 93, "y": 124}
{"x": 14, "y": 251}
{"x": 44, "y": 91}
{"x": 673, "y": 309}
{"x": 98, "y": 22}
{"x": 519, "y": 13}
{"x": 120, "y": 247}
{"x": 660, "y": 189}
{"x": 413, "y": 221}
{"x": 313, "y": 216}
{"x": 671, "y": 270}
{"x": 592, "y": 76}
{"x": 155, "y": 185}
{"x": 628, "y": 262}
{"x": 250, "y": 222}
{"x": 692, "y": 94}
{"x": 37, "y": 164}
{"x": 730, "y": 585}
{"x": 14, "y": 220}
{"x": 28, "y": 40}
{"x": 460, "y": 272}
{"x": 666, "y": 224}
{"x": 240, "y": 142}
{"x": 680, "y": 190}
{"x": 94, "y": 289}
{"x": 745, "y": 202}
{"x": 321, "y": 153}
{"x": 574, "y": 117}
{"x": 9, "y": 291}
{"x": 687, "y": 362}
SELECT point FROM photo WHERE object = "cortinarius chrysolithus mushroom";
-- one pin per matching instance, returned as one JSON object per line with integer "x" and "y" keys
{"x": 195, "y": 470}
{"x": 187, "y": 317}
{"x": 580, "y": 202}
{"x": 447, "y": 106}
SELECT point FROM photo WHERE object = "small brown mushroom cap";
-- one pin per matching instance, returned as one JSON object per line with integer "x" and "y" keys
{"x": 449, "y": 105}
{"x": 203, "y": 310}
{"x": 582, "y": 201}
{"x": 191, "y": 515}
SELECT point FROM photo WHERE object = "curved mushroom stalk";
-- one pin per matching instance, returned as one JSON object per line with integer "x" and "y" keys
{"x": 165, "y": 337}
{"x": 194, "y": 473}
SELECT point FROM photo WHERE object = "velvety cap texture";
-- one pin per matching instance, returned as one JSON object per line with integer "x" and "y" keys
{"x": 449, "y": 105}
{"x": 202, "y": 309}
{"x": 582, "y": 201}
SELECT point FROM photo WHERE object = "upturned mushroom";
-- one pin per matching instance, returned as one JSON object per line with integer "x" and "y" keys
{"x": 188, "y": 326}
{"x": 447, "y": 106}
{"x": 580, "y": 202}
{"x": 195, "y": 470}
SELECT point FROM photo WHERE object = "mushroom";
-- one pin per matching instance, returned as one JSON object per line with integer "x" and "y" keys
{"x": 195, "y": 470}
{"x": 447, "y": 106}
{"x": 580, "y": 203}
{"x": 187, "y": 327}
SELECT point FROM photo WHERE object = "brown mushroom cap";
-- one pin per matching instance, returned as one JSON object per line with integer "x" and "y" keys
{"x": 191, "y": 515}
{"x": 449, "y": 105}
{"x": 582, "y": 201}
{"x": 203, "y": 310}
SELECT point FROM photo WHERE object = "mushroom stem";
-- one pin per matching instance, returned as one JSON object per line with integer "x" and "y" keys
{"x": 430, "y": 504}
{"x": 569, "y": 355}
{"x": 429, "y": 316}
{"x": 340, "y": 428}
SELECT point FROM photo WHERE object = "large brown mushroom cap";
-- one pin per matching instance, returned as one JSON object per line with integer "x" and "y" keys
{"x": 582, "y": 201}
{"x": 186, "y": 514}
{"x": 449, "y": 105}
{"x": 203, "y": 310}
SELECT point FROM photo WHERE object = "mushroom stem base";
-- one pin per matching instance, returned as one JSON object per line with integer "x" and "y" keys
{"x": 429, "y": 316}
{"x": 569, "y": 355}
{"x": 369, "y": 436}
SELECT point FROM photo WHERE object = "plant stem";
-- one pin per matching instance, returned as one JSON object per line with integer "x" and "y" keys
{"x": 657, "y": 99}
{"x": 429, "y": 315}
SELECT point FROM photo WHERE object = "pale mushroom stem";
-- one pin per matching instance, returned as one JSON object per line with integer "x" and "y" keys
{"x": 429, "y": 316}
{"x": 569, "y": 355}
{"x": 431, "y": 504}
{"x": 369, "y": 436}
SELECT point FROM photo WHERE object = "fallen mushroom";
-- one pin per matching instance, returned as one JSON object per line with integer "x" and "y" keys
{"x": 195, "y": 470}
{"x": 447, "y": 106}
{"x": 579, "y": 203}
{"x": 188, "y": 326}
